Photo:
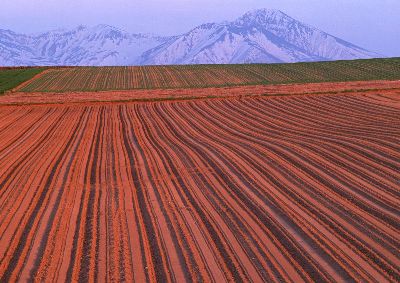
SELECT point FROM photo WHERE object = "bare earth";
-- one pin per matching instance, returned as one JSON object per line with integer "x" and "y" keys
{"x": 294, "y": 188}
{"x": 19, "y": 98}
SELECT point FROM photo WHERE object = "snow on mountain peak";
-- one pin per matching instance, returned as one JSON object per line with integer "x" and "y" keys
{"x": 259, "y": 36}
{"x": 262, "y": 16}
{"x": 264, "y": 13}
{"x": 103, "y": 28}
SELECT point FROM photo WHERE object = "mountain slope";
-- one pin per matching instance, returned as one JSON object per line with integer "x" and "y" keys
{"x": 100, "y": 45}
{"x": 261, "y": 36}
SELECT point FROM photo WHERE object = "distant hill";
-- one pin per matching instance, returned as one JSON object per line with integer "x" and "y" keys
{"x": 261, "y": 36}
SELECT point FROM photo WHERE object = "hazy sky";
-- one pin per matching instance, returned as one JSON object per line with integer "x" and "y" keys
{"x": 372, "y": 24}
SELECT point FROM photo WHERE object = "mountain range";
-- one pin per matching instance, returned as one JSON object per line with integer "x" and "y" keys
{"x": 260, "y": 36}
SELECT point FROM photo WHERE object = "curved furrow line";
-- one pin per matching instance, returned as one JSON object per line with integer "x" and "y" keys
{"x": 252, "y": 132}
{"x": 222, "y": 174}
{"x": 88, "y": 270}
{"x": 137, "y": 244}
{"x": 325, "y": 126}
{"x": 118, "y": 249}
{"x": 10, "y": 165}
{"x": 18, "y": 179}
{"x": 287, "y": 125}
{"x": 50, "y": 251}
{"x": 229, "y": 183}
{"x": 24, "y": 135}
{"x": 376, "y": 172}
{"x": 363, "y": 100}
{"x": 139, "y": 256}
{"x": 355, "y": 107}
{"x": 308, "y": 264}
{"x": 336, "y": 114}
{"x": 81, "y": 254}
{"x": 164, "y": 178}
{"x": 276, "y": 126}
{"x": 156, "y": 260}
{"x": 246, "y": 112}
{"x": 388, "y": 100}
{"x": 18, "y": 249}
{"x": 69, "y": 254}
{"x": 111, "y": 235}
{"x": 9, "y": 120}
{"x": 265, "y": 189}
{"x": 179, "y": 171}
{"x": 360, "y": 126}
{"x": 161, "y": 205}
{"x": 269, "y": 133}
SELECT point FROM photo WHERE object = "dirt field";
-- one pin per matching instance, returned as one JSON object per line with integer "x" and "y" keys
{"x": 20, "y": 98}
{"x": 291, "y": 188}
{"x": 91, "y": 79}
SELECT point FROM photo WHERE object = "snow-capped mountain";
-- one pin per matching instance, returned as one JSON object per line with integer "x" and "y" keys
{"x": 100, "y": 45}
{"x": 261, "y": 36}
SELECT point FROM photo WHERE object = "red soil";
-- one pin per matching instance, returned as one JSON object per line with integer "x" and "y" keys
{"x": 167, "y": 94}
{"x": 258, "y": 189}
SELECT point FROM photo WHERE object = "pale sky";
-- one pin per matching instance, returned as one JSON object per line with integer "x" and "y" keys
{"x": 372, "y": 24}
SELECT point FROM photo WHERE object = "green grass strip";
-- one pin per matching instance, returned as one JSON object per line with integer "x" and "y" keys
{"x": 13, "y": 77}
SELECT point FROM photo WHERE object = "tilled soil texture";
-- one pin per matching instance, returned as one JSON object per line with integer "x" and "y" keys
{"x": 91, "y": 79}
{"x": 258, "y": 189}
{"x": 382, "y": 87}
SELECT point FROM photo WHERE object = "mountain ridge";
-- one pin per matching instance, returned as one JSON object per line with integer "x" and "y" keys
{"x": 259, "y": 36}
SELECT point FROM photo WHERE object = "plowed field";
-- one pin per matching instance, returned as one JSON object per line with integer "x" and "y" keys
{"x": 90, "y": 79}
{"x": 293, "y": 188}
{"x": 21, "y": 98}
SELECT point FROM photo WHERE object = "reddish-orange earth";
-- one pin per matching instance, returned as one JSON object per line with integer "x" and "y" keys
{"x": 19, "y": 98}
{"x": 261, "y": 189}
